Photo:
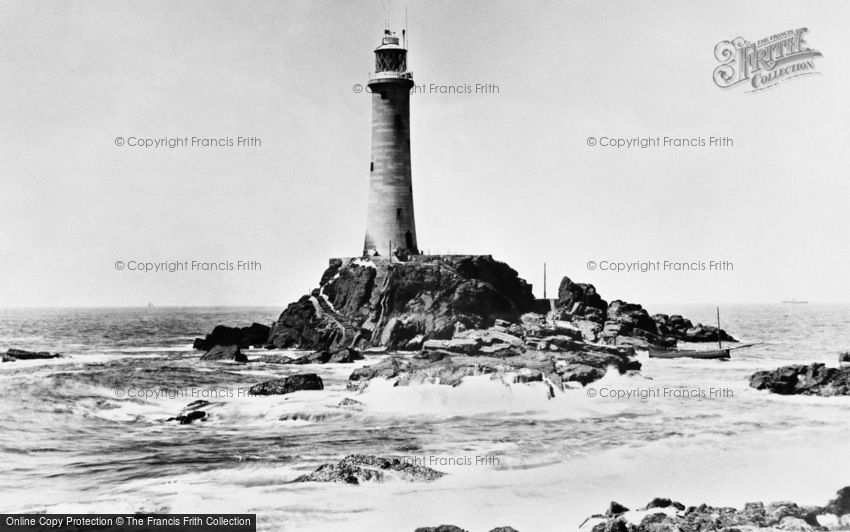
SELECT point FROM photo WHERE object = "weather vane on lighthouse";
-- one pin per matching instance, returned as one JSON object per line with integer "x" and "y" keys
{"x": 390, "y": 225}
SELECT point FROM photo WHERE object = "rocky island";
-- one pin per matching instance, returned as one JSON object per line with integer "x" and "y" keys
{"x": 444, "y": 317}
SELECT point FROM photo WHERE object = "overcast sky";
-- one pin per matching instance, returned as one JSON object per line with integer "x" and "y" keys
{"x": 509, "y": 174}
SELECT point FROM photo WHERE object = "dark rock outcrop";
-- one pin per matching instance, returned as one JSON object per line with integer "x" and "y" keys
{"x": 223, "y": 353}
{"x": 800, "y": 379}
{"x": 782, "y": 515}
{"x": 14, "y": 354}
{"x": 254, "y": 335}
{"x": 293, "y": 383}
{"x": 581, "y": 300}
{"x": 676, "y": 326}
{"x": 632, "y": 319}
{"x": 191, "y": 413}
{"x": 359, "y": 468}
{"x": 615, "y": 508}
{"x": 581, "y": 304}
{"x": 377, "y": 303}
{"x": 844, "y": 358}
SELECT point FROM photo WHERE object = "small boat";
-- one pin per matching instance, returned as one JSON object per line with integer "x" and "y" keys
{"x": 707, "y": 354}
{"x": 688, "y": 353}
{"x": 794, "y": 302}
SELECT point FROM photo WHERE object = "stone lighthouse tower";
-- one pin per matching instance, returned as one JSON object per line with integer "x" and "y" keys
{"x": 390, "y": 226}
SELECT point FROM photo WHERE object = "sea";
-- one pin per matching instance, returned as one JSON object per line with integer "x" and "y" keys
{"x": 88, "y": 433}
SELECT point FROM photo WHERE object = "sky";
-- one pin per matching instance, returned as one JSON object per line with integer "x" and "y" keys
{"x": 508, "y": 173}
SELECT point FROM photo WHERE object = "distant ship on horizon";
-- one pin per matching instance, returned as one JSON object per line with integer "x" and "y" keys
{"x": 795, "y": 302}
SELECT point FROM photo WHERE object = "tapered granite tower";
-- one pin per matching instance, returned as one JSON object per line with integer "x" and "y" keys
{"x": 390, "y": 226}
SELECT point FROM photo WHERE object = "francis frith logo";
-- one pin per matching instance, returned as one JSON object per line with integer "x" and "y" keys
{"x": 765, "y": 63}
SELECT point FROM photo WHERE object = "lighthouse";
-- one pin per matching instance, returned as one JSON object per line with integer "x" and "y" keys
{"x": 390, "y": 225}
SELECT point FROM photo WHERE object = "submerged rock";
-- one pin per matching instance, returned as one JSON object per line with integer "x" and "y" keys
{"x": 224, "y": 352}
{"x": 359, "y": 468}
{"x": 14, "y": 354}
{"x": 293, "y": 383}
{"x": 801, "y": 379}
{"x": 347, "y": 401}
{"x": 191, "y": 413}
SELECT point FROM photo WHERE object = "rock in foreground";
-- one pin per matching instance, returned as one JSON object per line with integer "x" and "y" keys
{"x": 800, "y": 379}
{"x": 359, "y": 468}
{"x": 663, "y": 515}
{"x": 293, "y": 383}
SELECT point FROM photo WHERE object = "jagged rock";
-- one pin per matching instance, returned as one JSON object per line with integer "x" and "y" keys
{"x": 658, "y": 502}
{"x": 347, "y": 401}
{"x": 615, "y": 508}
{"x": 300, "y": 325}
{"x": 358, "y": 468}
{"x": 382, "y": 303}
{"x": 441, "y": 528}
{"x": 293, "y": 383}
{"x": 14, "y": 354}
{"x": 579, "y": 299}
{"x": 840, "y": 505}
{"x": 677, "y": 327}
{"x": 504, "y": 529}
{"x": 255, "y": 335}
{"x": 800, "y": 379}
{"x": 224, "y": 352}
{"x": 631, "y": 317}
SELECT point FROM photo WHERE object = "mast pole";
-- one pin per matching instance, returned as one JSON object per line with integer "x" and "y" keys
{"x": 719, "y": 341}
{"x": 544, "y": 281}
